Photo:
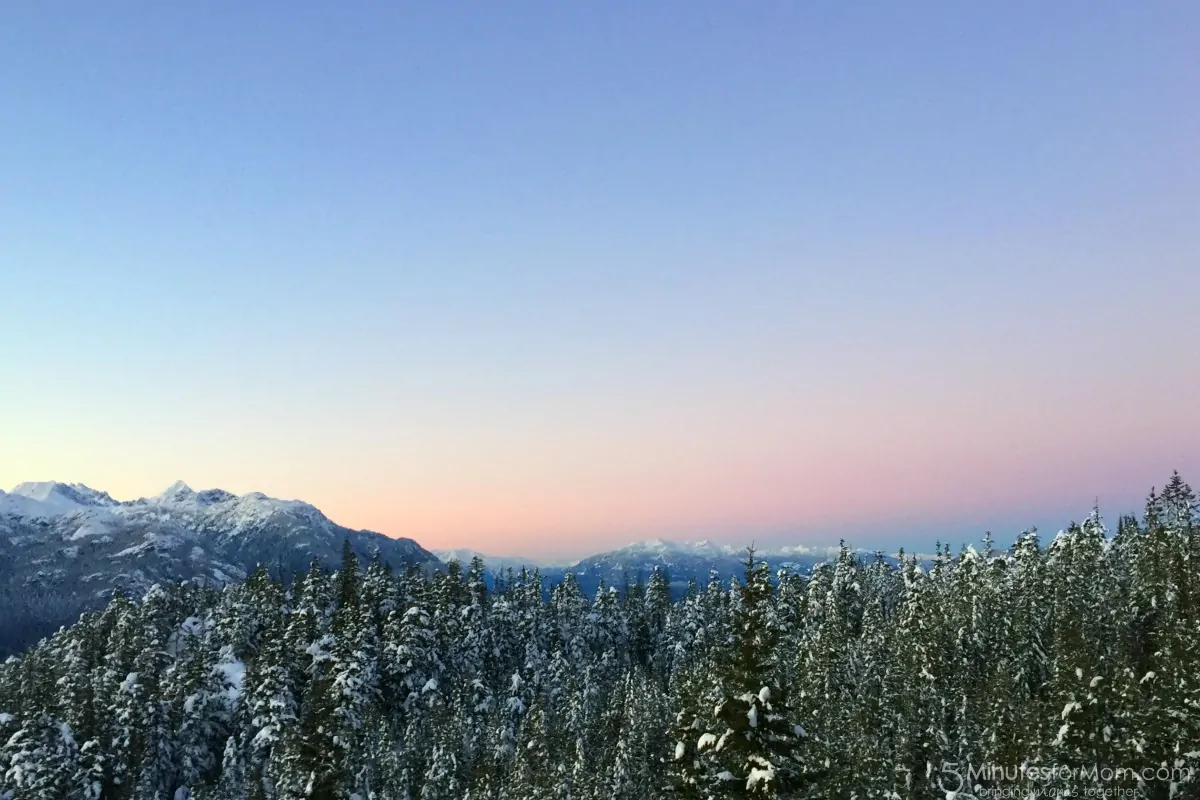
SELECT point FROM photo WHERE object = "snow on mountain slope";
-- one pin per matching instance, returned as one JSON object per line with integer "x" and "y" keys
{"x": 19, "y": 505}
{"x": 47, "y": 498}
{"x": 662, "y": 548}
{"x": 213, "y": 510}
{"x": 666, "y": 550}
{"x": 65, "y": 548}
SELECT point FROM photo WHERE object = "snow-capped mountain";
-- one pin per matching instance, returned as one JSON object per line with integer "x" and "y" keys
{"x": 53, "y": 497}
{"x": 682, "y": 562}
{"x": 65, "y": 548}
{"x": 686, "y": 561}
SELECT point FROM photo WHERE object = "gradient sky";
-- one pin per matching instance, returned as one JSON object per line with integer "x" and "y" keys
{"x": 549, "y": 277}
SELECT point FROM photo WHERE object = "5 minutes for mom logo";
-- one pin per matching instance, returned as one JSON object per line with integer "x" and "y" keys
{"x": 958, "y": 781}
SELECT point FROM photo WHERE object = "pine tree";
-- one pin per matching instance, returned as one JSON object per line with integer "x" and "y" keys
{"x": 752, "y": 745}
{"x": 41, "y": 758}
{"x": 231, "y": 784}
{"x": 268, "y": 708}
{"x": 656, "y": 610}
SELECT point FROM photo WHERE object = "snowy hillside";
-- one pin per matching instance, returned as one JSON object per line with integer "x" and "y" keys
{"x": 66, "y": 547}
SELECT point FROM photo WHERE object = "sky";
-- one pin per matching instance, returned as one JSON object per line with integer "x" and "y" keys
{"x": 545, "y": 278}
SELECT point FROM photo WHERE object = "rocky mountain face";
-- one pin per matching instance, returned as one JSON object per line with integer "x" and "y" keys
{"x": 65, "y": 548}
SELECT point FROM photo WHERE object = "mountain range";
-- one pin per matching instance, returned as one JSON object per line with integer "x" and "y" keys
{"x": 65, "y": 548}
{"x": 682, "y": 562}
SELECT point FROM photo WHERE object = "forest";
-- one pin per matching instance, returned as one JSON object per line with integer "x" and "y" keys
{"x": 1057, "y": 666}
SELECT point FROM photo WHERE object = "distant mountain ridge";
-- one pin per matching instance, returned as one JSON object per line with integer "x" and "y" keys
{"x": 682, "y": 561}
{"x": 688, "y": 561}
{"x": 464, "y": 556}
{"x": 666, "y": 549}
{"x": 65, "y": 547}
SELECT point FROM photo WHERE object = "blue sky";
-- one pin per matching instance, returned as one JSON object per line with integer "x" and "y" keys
{"x": 493, "y": 275}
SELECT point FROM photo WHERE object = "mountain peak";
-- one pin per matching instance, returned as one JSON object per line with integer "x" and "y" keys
{"x": 176, "y": 491}
{"x": 36, "y": 490}
{"x": 666, "y": 547}
{"x": 651, "y": 545}
{"x": 54, "y": 497}
{"x": 81, "y": 546}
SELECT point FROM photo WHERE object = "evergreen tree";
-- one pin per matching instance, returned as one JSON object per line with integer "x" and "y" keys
{"x": 752, "y": 745}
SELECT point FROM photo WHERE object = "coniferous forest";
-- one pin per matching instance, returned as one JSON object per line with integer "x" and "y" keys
{"x": 1068, "y": 664}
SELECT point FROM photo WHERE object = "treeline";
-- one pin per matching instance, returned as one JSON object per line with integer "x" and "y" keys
{"x": 861, "y": 679}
